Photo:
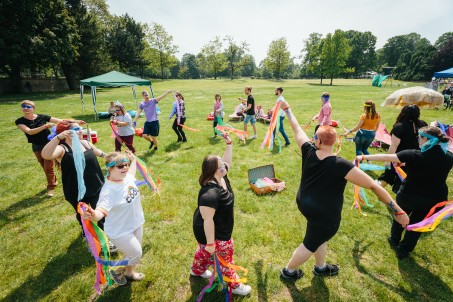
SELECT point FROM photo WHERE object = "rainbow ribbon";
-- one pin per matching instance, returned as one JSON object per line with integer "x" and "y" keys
{"x": 217, "y": 278}
{"x": 360, "y": 197}
{"x": 275, "y": 121}
{"x": 98, "y": 245}
{"x": 432, "y": 220}
{"x": 141, "y": 166}
{"x": 224, "y": 130}
{"x": 178, "y": 110}
{"x": 400, "y": 172}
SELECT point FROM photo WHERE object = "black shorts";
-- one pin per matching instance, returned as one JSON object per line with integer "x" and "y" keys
{"x": 151, "y": 128}
{"x": 318, "y": 233}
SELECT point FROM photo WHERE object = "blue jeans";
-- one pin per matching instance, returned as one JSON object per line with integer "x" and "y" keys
{"x": 363, "y": 140}
{"x": 282, "y": 130}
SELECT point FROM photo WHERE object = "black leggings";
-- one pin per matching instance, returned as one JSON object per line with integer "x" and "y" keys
{"x": 92, "y": 201}
{"x": 178, "y": 129}
{"x": 215, "y": 124}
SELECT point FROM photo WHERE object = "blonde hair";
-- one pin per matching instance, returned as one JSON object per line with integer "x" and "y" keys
{"x": 28, "y": 102}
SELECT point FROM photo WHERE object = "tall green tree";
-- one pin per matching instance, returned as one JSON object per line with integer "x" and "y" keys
{"x": 396, "y": 46}
{"x": 363, "y": 51}
{"x": 235, "y": 55}
{"x": 443, "y": 39}
{"x": 248, "y": 69}
{"x": 335, "y": 53}
{"x": 311, "y": 56}
{"x": 443, "y": 57}
{"x": 212, "y": 58}
{"x": 125, "y": 42}
{"x": 162, "y": 48}
{"x": 35, "y": 34}
{"x": 416, "y": 65}
{"x": 189, "y": 67}
{"x": 278, "y": 55}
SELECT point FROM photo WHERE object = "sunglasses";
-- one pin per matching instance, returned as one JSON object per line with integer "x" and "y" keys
{"x": 76, "y": 128}
{"x": 119, "y": 110}
{"x": 122, "y": 166}
{"x": 27, "y": 106}
{"x": 315, "y": 136}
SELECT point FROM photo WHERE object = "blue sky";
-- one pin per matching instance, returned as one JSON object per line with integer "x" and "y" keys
{"x": 194, "y": 23}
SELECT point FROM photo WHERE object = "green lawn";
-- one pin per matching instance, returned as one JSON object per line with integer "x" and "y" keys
{"x": 43, "y": 256}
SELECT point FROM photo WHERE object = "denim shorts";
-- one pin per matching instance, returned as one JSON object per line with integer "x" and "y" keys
{"x": 250, "y": 118}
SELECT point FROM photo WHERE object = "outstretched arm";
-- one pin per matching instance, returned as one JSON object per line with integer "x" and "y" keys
{"x": 163, "y": 95}
{"x": 360, "y": 178}
{"x": 228, "y": 154}
{"x": 379, "y": 157}
{"x": 301, "y": 136}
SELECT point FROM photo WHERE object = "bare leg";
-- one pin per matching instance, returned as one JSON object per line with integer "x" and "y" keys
{"x": 254, "y": 129}
{"x": 154, "y": 138}
{"x": 300, "y": 256}
{"x": 147, "y": 137}
{"x": 320, "y": 255}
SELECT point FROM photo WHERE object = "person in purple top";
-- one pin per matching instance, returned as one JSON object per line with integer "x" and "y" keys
{"x": 151, "y": 127}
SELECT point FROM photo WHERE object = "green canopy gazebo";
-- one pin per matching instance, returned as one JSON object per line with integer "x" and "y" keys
{"x": 112, "y": 79}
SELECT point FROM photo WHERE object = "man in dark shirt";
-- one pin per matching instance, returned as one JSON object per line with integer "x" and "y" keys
{"x": 249, "y": 111}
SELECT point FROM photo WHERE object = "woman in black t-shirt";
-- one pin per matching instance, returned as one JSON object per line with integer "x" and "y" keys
{"x": 213, "y": 219}
{"x": 424, "y": 186}
{"x": 62, "y": 150}
{"x": 320, "y": 196}
{"x": 404, "y": 137}
{"x": 36, "y": 129}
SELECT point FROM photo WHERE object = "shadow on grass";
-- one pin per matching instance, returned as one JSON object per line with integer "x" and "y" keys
{"x": 325, "y": 84}
{"x": 173, "y": 147}
{"x": 318, "y": 290}
{"x": 261, "y": 281}
{"x": 116, "y": 293}
{"x": 21, "y": 205}
{"x": 425, "y": 286}
{"x": 63, "y": 266}
{"x": 196, "y": 286}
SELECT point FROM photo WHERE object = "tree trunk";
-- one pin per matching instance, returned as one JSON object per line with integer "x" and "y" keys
{"x": 69, "y": 74}
{"x": 331, "y": 79}
{"x": 321, "y": 79}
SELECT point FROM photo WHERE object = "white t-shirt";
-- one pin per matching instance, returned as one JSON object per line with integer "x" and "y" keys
{"x": 121, "y": 202}
{"x": 125, "y": 130}
{"x": 280, "y": 112}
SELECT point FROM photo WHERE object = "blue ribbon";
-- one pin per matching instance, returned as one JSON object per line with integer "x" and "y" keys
{"x": 432, "y": 142}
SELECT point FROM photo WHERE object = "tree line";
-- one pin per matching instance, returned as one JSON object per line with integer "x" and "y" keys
{"x": 78, "y": 39}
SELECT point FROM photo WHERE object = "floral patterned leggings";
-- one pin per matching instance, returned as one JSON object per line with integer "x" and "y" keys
{"x": 202, "y": 259}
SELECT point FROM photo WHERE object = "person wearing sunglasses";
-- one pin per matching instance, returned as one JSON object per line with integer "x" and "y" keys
{"x": 123, "y": 122}
{"x": 152, "y": 126}
{"x": 36, "y": 129}
{"x": 119, "y": 203}
{"x": 81, "y": 174}
{"x": 425, "y": 184}
{"x": 321, "y": 169}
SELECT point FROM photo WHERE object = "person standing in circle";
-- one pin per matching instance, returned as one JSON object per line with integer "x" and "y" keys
{"x": 249, "y": 111}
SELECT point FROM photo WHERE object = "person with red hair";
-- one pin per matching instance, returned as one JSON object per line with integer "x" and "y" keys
{"x": 80, "y": 171}
{"x": 36, "y": 129}
{"x": 322, "y": 168}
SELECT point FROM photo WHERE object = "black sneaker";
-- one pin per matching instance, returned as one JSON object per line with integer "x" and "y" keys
{"x": 296, "y": 275}
{"x": 184, "y": 140}
{"x": 151, "y": 145}
{"x": 155, "y": 148}
{"x": 328, "y": 270}
{"x": 402, "y": 253}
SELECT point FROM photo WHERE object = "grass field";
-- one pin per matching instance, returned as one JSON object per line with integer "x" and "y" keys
{"x": 43, "y": 256}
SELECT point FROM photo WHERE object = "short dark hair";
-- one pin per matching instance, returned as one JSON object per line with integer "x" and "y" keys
{"x": 279, "y": 89}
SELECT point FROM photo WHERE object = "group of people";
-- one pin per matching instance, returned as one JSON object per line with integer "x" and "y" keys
{"x": 116, "y": 205}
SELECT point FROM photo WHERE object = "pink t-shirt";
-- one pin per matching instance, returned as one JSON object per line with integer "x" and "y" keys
{"x": 324, "y": 115}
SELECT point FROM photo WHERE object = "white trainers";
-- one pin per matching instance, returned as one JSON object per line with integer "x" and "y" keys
{"x": 242, "y": 290}
{"x": 253, "y": 136}
{"x": 113, "y": 248}
{"x": 206, "y": 275}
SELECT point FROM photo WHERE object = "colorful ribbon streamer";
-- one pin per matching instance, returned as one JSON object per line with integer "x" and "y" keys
{"x": 275, "y": 120}
{"x": 98, "y": 245}
{"x": 224, "y": 129}
{"x": 215, "y": 281}
{"x": 360, "y": 197}
{"x": 400, "y": 172}
{"x": 178, "y": 113}
{"x": 371, "y": 167}
{"x": 432, "y": 220}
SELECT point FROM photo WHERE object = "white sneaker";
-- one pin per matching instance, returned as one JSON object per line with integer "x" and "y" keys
{"x": 242, "y": 290}
{"x": 113, "y": 248}
{"x": 206, "y": 275}
{"x": 253, "y": 136}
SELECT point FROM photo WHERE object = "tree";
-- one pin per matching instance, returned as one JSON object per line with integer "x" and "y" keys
{"x": 189, "y": 67}
{"x": 312, "y": 55}
{"x": 125, "y": 42}
{"x": 363, "y": 53}
{"x": 248, "y": 69}
{"x": 416, "y": 65}
{"x": 36, "y": 34}
{"x": 396, "y": 46}
{"x": 443, "y": 39}
{"x": 443, "y": 58}
{"x": 162, "y": 48}
{"x": 212, "y": 58}
{"x": 335, "y": 53}
{"x": 278, "y": 55}
{"x": 234, "y": 54}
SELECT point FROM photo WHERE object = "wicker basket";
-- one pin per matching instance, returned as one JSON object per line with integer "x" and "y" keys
{"x": 260, "y": 172}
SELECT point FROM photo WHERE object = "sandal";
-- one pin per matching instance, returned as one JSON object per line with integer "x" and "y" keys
{"x": 135, "y": 276}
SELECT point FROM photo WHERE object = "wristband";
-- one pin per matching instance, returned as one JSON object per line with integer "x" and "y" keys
{"x": 210, "y": 244}
{"x": 399, "y": 213}
{"x": 363, "y": 157}
{"x": 286, "y": 108}
{"x": 60, "y": 139}
{"x": 230, "y": 143}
